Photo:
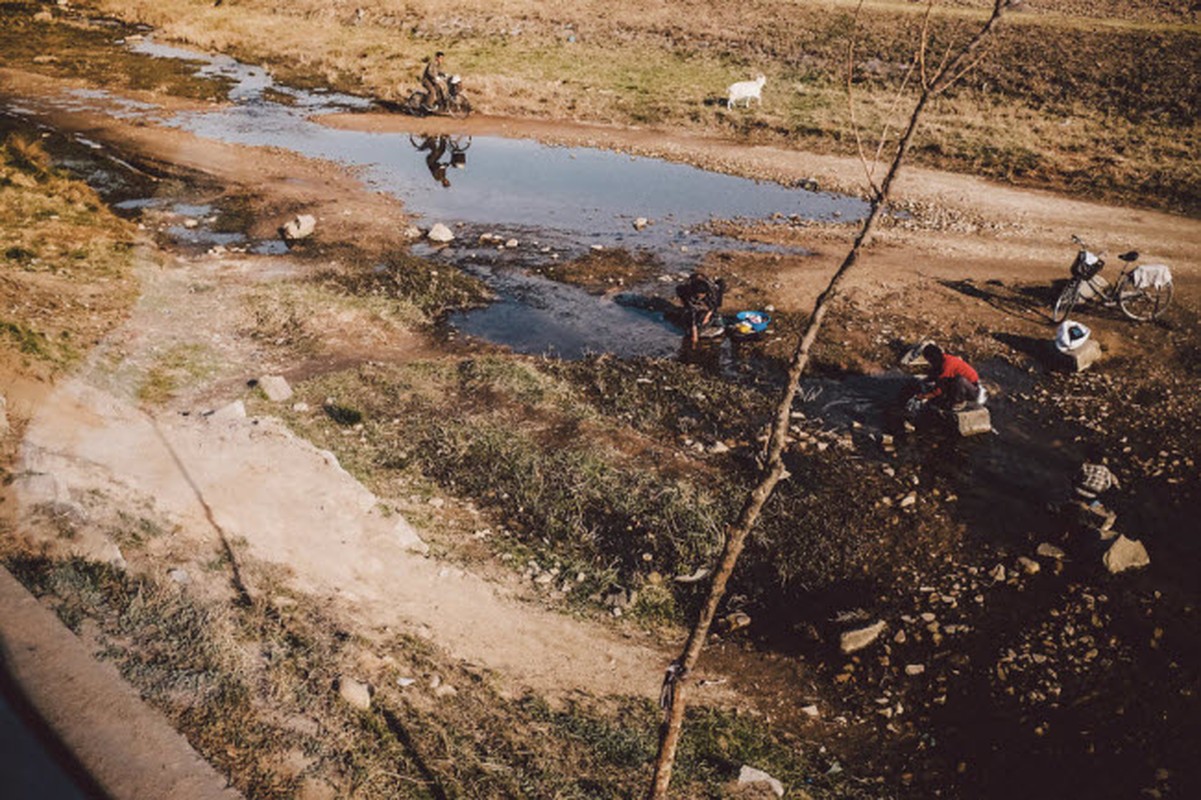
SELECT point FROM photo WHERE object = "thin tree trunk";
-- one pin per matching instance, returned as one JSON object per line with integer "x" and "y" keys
{"x": 676, "y": 681}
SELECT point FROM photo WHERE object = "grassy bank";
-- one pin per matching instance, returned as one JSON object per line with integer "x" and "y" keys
{"x": 1101, "y": 105}
{"x": 67, "y": 264}
{"x": 254, "y": 690}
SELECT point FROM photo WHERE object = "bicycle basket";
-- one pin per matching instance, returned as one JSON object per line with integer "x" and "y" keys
{"x": 1086, "y": 266}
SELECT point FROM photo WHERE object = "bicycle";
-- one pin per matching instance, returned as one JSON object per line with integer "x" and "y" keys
{"x": 1142, "y": 292}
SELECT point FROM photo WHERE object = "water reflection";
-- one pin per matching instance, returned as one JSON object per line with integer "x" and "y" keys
{"x": 443, "y": 151}
{"x": 567, "y": 201}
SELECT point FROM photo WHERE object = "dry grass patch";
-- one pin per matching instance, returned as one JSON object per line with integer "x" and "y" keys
{"x": 67, "y": 263}
{"x": 1122, "y": 74}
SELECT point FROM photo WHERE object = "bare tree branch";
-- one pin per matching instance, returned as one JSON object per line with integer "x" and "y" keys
{"x": 676, "y": 680}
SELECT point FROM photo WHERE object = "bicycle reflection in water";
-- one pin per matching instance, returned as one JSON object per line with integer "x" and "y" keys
{"x": 442, "y": 152}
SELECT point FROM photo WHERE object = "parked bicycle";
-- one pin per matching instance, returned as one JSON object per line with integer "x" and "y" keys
{"x": 1142, "y": 292}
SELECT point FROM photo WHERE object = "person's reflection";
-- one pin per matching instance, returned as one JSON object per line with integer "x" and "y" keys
{"x": 442, "y": 152}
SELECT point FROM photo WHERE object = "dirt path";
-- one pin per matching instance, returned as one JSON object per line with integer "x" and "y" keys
{"x": 91, "y": 452}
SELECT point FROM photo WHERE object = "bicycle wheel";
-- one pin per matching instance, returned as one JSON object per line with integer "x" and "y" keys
{"x": 459, "y": 107}
{"x": 1066, "y": 301}
{"x": 1143, "y": 304}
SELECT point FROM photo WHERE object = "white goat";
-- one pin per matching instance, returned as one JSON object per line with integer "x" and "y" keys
{"x": 745, "y": 90}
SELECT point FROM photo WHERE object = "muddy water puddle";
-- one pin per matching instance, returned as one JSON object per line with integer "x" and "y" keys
{"x": 560, "y": 203}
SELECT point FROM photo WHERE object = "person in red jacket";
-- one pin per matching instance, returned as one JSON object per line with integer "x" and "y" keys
{"x": 955, "y": 382}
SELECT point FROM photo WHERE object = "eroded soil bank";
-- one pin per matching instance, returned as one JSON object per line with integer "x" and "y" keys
{"x": 586, "y": 486}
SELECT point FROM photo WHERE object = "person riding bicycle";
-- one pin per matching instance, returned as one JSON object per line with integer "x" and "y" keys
{"x": 955, "y": 383}
{"x": 701, "y": 296}
{"x": 432, "y": 80}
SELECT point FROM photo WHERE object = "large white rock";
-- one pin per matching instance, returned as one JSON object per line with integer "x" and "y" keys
{"x": 275, "y": 387}
{"x": 355, "y": 693}
{"x": 750, "y": 775}
{"x": 1125, "y": 554}
{"x": 299, "y": 227}
{"x": 861, "y": 637}
{"x": 440, "y": 234}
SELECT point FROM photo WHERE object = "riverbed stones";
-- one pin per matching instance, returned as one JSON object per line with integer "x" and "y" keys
{"x": 1096, "y": 517}
{"x": 440, "y": 234}
{"x": 275, "y": 387}
{"x": 299, "y": 227}
{"x": 1028, "y": 565}
{"x": 1077, "y": 360}
{"x": 854, "y": 640}
{"x": 1125, "y": 554}
{"x": 1048, "y": 550}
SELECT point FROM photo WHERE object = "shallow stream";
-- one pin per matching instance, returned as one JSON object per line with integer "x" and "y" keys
{"x": 559, "y": 203}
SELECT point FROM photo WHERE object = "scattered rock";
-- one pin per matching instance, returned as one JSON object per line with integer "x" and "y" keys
{"x": 1125, "y": 554}
{"x": 275, "y": 387}
{"x": 180, "y": 576}
{"x": 997, "y": 573}
{"x": 1047, "y": 550}
{"x": 736, "y": 621}
{"x": 860, "y": 638}
{"x": 699, "y": 575}
{"x": 356, "y": 694}
{"x": 908, "y": 500}
{"x": 512, "y": 243}
{"x": 915, "y": 669}
{"x": 299, "y": 227}
{"x": 440, "y": 234}
{"x": 411, "y": 232}
{"x": 1028, "y": 565}
{"x": 750, "y": 775}
{"x": 810, "y": 711}
{"x": 235, "y": 410}
{"x": 641, "y": 223}
{"x": 445, "y": 690}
